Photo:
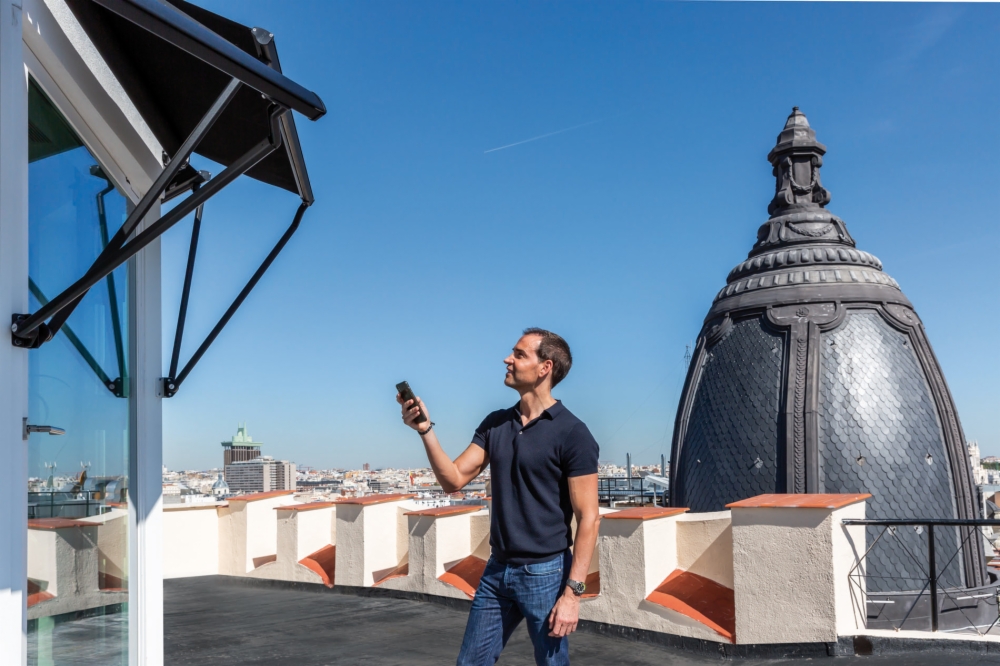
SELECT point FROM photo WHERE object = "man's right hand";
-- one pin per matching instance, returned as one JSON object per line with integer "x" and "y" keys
{"x": 411, "y": 411}
{"x": 452, "y": 475}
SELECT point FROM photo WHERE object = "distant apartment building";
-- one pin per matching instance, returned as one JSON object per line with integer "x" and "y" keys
{"x": 240, "y": 448}
{"x": 379, "y": 485}
{"x": 260, "y": 475}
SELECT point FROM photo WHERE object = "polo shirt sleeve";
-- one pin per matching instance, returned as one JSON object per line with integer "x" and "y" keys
{"x": 580, "y": 452}
{"x": 481, "y": 437}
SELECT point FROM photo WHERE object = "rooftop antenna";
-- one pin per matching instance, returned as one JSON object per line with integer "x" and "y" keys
{"x": 687, "y": 355}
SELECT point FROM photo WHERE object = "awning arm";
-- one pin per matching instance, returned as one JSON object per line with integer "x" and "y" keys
{"x": 61, "y": 313}
{"x": 172, "y": 383}
{"x": 31, "y": 331}
{"x": 116, "y": 386}
{"x": 186, "y": 291}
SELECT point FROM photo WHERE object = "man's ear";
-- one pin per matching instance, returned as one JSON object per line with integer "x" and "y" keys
{"x": 546, "y": 368}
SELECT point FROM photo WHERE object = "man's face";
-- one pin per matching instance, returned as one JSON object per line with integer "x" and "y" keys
{"x": 524, "y": 369}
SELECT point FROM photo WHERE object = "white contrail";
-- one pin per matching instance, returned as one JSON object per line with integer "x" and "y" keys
{"x": 536, "y": 138}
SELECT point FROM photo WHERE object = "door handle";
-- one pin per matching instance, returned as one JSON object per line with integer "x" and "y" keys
{"x": 27, "y": 429}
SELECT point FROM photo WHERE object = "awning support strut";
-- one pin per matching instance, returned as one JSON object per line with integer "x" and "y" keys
{"x": 31, "y": 331}
{"x": 172, "y": 383}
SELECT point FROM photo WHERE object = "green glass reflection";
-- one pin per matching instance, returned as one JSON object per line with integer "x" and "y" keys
{"x": 78, "y": 482}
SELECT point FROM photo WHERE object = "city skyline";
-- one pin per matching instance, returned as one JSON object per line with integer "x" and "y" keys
{"x": 415, "y": 263}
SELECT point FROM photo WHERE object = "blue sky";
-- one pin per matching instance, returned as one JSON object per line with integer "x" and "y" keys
{"x": 428, "y": 251}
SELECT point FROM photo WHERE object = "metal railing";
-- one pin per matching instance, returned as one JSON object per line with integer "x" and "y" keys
{"x": 637, "y": 490}
{"x": 64, "y": 504}
{"x": 967, "y": 608}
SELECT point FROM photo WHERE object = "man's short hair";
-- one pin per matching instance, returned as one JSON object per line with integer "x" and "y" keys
{"x": 553, "y": 348}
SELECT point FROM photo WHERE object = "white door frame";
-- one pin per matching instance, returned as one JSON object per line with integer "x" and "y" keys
{"x": 59, "y": 55}
{"x": 13, "y": 361}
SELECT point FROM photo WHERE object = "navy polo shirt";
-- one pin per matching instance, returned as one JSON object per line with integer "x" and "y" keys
{"x": 529, "y": 468}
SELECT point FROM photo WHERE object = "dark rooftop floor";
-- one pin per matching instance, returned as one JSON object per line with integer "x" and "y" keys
{"x": 219, "y": 621}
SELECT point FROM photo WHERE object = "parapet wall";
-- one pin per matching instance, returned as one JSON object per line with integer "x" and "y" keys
{"x": 769, "y": 570}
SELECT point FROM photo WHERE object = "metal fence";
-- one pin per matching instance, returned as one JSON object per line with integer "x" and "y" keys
{"x": 636, "y": 490}
{"x": 924, "y": 589}
{"x": 64, "y": 504}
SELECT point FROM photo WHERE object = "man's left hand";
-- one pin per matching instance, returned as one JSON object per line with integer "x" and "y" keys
{"x": 565, "y": 615}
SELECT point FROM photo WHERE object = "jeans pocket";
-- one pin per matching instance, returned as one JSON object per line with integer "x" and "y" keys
{"x": 550, "y": 568}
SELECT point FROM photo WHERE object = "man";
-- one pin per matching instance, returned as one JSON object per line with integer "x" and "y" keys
{"x": 543, "y": 472}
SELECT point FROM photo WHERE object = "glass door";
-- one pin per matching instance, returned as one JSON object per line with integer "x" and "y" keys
{"x": 78, "y": 522}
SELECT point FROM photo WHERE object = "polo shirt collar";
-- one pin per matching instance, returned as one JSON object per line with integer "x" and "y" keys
{"x": 552, "y": 412}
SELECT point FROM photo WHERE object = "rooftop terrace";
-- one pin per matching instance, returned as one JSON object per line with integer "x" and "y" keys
{"x": 263, "y": 579}
{"x": 225, "y": 620}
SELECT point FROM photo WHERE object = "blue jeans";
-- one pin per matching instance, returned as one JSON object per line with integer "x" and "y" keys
{"x": 508, "y": 594}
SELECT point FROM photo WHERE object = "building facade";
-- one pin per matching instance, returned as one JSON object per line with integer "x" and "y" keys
{"x": 260, "y": 475}
{"x": 241, "y": 447}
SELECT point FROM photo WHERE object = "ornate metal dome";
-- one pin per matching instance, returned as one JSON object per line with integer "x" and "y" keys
{"x": 813, "y": 374}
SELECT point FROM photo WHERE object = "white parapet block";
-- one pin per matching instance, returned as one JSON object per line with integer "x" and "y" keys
{"x": 64, "y": 573}
{"x": 446, "y": 554}
{"x": 791, "y": 562}
{"x": 306, "y": 541}
{"x": 112, "y": 546}
{"x": 248, "y": 531}
{"x": 191, "y": 539}
{"x": 641, "y": 583}
{"x": 372, "y": 538}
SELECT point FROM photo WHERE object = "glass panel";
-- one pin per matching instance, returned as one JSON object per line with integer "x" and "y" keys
{"x": 77, "y": 482}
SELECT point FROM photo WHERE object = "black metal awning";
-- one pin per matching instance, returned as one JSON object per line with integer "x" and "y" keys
{"x": 175, "y": 59}
{"x": 203, "y": 84}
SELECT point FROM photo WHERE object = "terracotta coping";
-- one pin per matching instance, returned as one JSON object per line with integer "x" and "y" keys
{"x": 700, "y": 599}
{"x": 308, "y": 506}
{"x": 323, "y": 562}
{"x": 375, "y": 499}
{"x": 593, "y": 583}
{"x": 258, "y": 562}
{"x": 379, "y": 577}
{"x": 260, "y": 496}
{"x": 35, "y": 598}
{"x": 442, "y": 511}
{"x": 799, "y": 501}
{"x": 192, "y": 507}
{"x": 645, "y": 513}
{"x": 465, "y": 575}
{"x": 57, "y": 523}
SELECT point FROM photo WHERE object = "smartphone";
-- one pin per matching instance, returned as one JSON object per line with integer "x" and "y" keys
{"x": 406, "y": 393}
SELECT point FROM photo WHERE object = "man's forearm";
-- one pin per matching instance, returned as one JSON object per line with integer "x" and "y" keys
{"x": 445, "y": 470}
{"x": 583, "y": 548}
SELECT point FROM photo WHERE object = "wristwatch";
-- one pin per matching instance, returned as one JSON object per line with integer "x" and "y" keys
{"x": 576, "y": 586}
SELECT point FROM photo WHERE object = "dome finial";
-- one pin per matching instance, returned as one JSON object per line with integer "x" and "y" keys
{"x": 796, "y": 159}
